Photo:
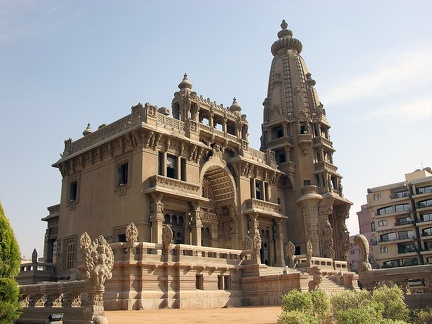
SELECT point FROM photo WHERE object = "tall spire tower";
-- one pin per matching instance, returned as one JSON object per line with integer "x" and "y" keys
{"x": 295, "y": 127}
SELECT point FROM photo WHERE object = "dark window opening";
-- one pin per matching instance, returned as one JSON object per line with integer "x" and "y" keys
{"x": 123, "y": 173}
{"x": 199, "y": 282}
{"x": 183, "y": 169}
{"x": 161, "y": 164}
{"x": 121, "y": 237}
{"x": 171, "y": 167}
{"x": 73, "y": 191}
{"x": 281, "y": 157}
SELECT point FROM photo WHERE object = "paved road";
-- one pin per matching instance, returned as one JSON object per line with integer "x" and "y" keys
{"x": 243, "y": 315}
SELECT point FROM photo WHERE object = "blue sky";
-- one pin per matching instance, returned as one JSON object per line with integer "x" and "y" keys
{"x": 64, "y": 64}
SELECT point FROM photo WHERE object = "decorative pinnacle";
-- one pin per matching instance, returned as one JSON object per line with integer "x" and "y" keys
{"x": 185, "y": 84}
{"x": 284, "y": 25}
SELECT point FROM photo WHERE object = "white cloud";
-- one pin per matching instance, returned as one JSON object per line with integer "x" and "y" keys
{"x": 411, "y": 111}
{"x": 390, "y": 75}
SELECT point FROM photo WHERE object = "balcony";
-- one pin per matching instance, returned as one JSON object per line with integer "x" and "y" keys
{"x": 323, "y": 141}
{"x": 322, "y": 165}
{"x": 174, "y": 187}
{"x": 403, "y": 221}
{"x": 262, "y": 207}
{"x": 401, "y": 238}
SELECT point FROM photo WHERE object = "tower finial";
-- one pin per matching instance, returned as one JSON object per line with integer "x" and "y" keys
{"x": 284, "y": 25}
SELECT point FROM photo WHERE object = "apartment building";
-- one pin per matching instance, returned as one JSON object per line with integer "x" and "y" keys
{"x": 402, "y": 224}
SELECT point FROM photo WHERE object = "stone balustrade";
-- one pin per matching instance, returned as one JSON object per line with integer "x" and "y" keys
{"x": 374, "y": 277}
{"x": 325, "y": 264}
{"x": 77, "y": 300}
{"x": 34, "y": 272}
{"x": 148, "y": 253}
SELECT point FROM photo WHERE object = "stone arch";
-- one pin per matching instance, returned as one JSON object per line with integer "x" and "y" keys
{"x": 217, "y": 172}
{"x": 219, "y": 214}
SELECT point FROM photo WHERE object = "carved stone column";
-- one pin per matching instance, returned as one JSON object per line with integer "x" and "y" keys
{"x": 327, "y": 232}
{"x": 196, "y": 223}
{"x": 157, "y": 217}
{"x": 98, "y": 262}
{"x": 278, "y": 236}
{"x": 342, "y": 238}
{"x": 256, "y": 237}
{"x": 309, "y": 202}
{"x": 234, "y": 229}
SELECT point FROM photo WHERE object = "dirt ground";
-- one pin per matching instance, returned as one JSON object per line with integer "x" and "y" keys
{"x": 243, "y": 315}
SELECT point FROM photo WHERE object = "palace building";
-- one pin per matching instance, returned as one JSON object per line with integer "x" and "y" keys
{"x": 195, "y": 216}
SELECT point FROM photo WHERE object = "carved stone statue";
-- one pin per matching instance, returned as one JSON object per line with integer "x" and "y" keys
{"x": 362, "y": 242}
{"x": 257, "y": 245}
{"x": 316, "y": 278}
{"x": 98, "y": 258}
{"x": 247, "y": 243}
{"x": 329, "y": 252}
{"x": 34, "y": 256}
{"x": 131, "y": 234}
{"x": 290, "y": 251}
{"x": 309, "y": 251}
{"x": 167, "y": 236}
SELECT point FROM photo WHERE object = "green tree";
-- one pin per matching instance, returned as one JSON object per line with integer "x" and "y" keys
{"x": 9, "y": 268}
{"x": 393, "y": 301}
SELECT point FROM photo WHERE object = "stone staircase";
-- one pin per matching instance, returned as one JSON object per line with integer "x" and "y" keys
{"x": 330, "y": 286}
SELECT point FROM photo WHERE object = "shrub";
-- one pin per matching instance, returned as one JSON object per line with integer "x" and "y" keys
{"x": 297, "y": 301}
{"x": 321, "y": 303}
{"x": 393, "y": 301}
{"x": 421, "y": 316}
{"x": 296, "y": 317}
{"x": 9, "y": 268}
{"x": 367, "y": 314}
{"x": 349, "y": 299}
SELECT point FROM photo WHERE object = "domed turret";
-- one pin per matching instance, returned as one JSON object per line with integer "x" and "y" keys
{"x": 235, "y": 107}
{"x": 185, "y": 84}
{"x": 286, "y": 41}
{"x": 88, "y": 130}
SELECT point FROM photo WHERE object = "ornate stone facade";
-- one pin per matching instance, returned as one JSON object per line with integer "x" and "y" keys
{"x": 150, "y": 183}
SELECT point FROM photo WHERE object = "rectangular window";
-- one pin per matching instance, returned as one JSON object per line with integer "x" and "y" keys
{"x": 382, "y": 223}
{"x": 220, "y": 283}
{"x": 123, "y": 173}
{"x": 409, "y": 262}
{"x": 280, "y": 157}
{"x": 424, "y": 203}
{"x": 199, "y": 281}
{"x": 385, "y": 210}
{"x": 70, "y": 255}
{"x": 388, "y": 237}
{"x": 391, "y": 264}
{"x": 402, "y": 207}
{"x": 377, "y": 196}
{"x": 400, "y": 194}
{"x": 171, "y": 166}
{"x": 427, "y": 231}
{"x": 383, "y": 249}
{"x": 227, "y": 282}
{"x": 406, "y": 235}
{"x": 73, "y": 191}
{"x": 161, "y": 160}
{"x": 426, "y": 217}
{"x": 183, "y": 169}
{"x": 406, "y": 248}
{"x": 259, "y": 194}
{"x": 422, "y": 190}
{"x": 403, "y": 221}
